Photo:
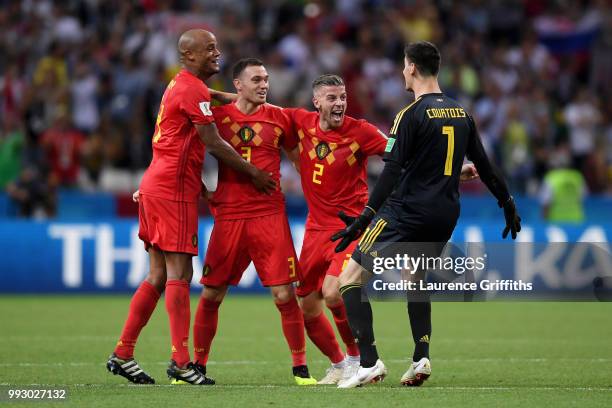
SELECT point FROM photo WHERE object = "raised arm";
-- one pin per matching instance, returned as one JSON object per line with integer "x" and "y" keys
{"x": 223, "y": 97}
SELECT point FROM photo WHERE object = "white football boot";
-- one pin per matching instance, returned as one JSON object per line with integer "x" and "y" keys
{"x": 417, "y": 373}
{"x": 350, "y": 369}
{"x": 332, "y": 376}
{"x": 364, "y": 376}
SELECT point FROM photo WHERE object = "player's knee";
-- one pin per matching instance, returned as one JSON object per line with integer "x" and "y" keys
{"x": 282, "y": 294}
{"x": 311, "y": 307}
{"x": 157, "y": 278}
{"x": 214, "y": 294}
{"x": 331, "y": 291}
{"x": 332, "y": 298}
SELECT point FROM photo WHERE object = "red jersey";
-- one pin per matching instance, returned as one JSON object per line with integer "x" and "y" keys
{"x": 333, "y": 166}
{"x": 178, "y": 153}
{"x": 257, "y": 138}
{"x": 64, "y": 151}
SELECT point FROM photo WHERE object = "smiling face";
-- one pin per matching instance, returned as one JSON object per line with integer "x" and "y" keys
{"x": 252, "y": 84}
{"x": 330, "y": 101}
{"x": 199, "y": 53}
{"x": 207, "y": 56}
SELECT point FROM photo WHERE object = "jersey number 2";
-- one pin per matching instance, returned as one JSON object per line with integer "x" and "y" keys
{"x": 317, "y": 172}
{"x": 450, "y": 132}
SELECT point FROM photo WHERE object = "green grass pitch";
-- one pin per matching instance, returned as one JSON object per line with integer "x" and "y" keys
{"x": 483, "y": 354}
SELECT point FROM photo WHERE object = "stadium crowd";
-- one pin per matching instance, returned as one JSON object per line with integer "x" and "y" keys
{"x": 81, "y": 80}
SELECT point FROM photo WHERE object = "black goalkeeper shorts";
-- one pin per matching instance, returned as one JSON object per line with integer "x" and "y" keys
{"x": 394, "y": 232}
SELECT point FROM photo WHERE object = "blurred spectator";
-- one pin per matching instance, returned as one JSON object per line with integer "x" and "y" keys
{"x": 32, "y": 194}
{"x": 582, "y": 116}
{"x": 63, "y": 145}
{"x": 51, "y": 69}
{"x": 85, "y": 115}
{"x": 515, "y": 149}
{"x": 11, "y": 147}
{"x": 563, "y": 190}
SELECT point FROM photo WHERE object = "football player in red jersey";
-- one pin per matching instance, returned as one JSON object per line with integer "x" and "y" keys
{"x": 168, "y": 216}
{"x": 249, "y": 225}
{"x": 333, "y": 153}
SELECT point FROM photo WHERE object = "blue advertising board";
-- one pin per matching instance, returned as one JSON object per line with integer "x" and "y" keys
{"x": 107, "y": 256}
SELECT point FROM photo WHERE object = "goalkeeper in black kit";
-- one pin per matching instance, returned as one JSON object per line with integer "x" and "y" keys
{"x": 416, "y": 199}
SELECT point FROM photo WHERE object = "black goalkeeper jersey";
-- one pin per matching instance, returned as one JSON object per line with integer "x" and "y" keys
{"x": 429, "y": 140}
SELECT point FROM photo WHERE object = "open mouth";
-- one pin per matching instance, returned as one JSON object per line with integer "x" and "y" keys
{"x": 262, "y": 94}
{"x": 337, "y": 114}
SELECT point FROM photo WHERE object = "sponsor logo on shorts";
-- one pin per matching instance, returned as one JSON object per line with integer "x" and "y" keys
{"x": 322, "y": 150}
{"x": 246, "y": 134}
{"x": 206, "y": 270}
{"x": 194, "y": 240}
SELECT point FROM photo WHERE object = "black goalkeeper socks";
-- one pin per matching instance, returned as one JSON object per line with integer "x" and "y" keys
{"x": 420, "y": 323}
{"x": 359, "y": 314}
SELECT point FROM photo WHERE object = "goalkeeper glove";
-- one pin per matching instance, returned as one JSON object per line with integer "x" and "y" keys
{"x": 513, "y": 221}
{"x": 354, "y": 228}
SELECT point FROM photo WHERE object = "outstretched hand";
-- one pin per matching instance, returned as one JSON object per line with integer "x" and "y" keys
{"x": 354, "y": 228}
{"x": 513, "y": 221}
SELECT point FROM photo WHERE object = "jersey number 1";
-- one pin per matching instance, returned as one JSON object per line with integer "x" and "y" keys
{"x": 450, "y": 132}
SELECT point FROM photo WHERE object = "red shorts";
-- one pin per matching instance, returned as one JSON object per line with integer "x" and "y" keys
{"x": 318, "y": 259}
{"x": 168, "y": 225}
{"x": 264, "y": 240}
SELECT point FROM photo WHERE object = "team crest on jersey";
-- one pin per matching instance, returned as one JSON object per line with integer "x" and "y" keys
{"x": 246, "y": 134}
{"x": 194, "y": 240}
{"x": 322, "y": 150}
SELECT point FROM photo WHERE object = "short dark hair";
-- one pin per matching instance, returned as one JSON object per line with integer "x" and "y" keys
{"x": 425, "y": 56}
{"x": 243, "y": 63}
{"x": 327, "y": 80}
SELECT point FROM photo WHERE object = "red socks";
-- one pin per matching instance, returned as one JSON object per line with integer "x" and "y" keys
{"x": 322, "y": 335}
{"x": 141, "y": 308}
{"x": 177, "y": 305}
{"x": 293, "y": 329}
{"x": 204, "y": 329}
{"x": 339, "y": 312}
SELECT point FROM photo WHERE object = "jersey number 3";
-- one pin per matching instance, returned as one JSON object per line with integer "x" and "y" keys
{"x": 450, "y": 132}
